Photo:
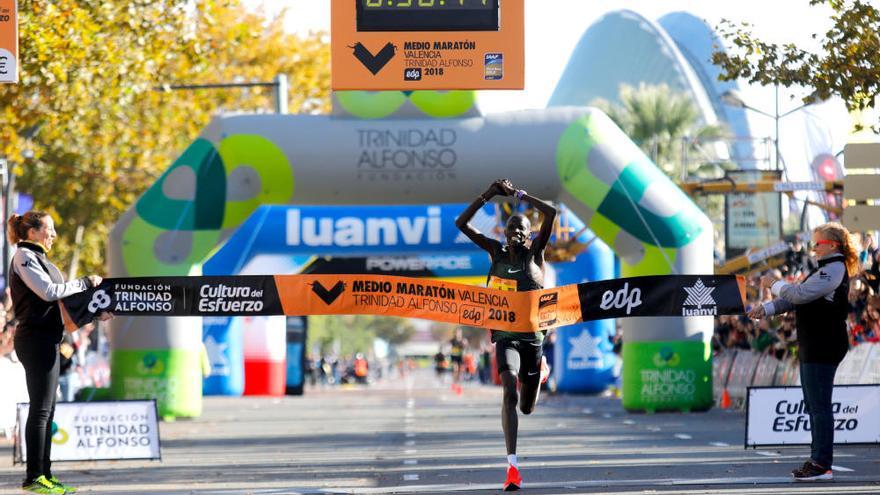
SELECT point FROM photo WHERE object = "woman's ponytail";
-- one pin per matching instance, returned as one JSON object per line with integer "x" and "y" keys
{"x": 18, "y": 225}
{"x": 836, "y": 232}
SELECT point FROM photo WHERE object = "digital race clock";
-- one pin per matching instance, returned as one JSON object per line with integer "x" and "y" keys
{"x": 427, "y": 15}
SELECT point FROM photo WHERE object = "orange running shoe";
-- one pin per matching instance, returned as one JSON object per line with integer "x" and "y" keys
{"x": 514, "y": 480}
{"x": 545, "y": 370}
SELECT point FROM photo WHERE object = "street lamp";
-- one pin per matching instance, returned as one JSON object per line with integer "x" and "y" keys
{"x": 732, "y": 98}
{"x": 280, "y": 84}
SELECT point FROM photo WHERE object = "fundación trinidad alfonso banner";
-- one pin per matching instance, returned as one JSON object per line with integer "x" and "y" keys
{"x": 778, "y": 415}
{"x": 91, "y": 431}
{"x": 299, "y": 295}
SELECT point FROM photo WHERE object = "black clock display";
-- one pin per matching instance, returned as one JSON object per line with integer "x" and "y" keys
{"x": 427, "y": 15}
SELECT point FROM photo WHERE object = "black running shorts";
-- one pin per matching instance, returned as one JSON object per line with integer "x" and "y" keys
{"x": 521, "y": 357}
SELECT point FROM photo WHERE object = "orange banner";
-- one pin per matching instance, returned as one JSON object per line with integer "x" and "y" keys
{"x": 443, "y": 45}
{"x": 433, "y": 300}
{"x": 8, "y": 42}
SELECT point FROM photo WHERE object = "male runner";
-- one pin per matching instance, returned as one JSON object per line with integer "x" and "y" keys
{"x": 517, "y": 266}
{"x": 456, "y": 354}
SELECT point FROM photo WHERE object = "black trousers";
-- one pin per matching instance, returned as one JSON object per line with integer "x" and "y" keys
{"x": 41, "y": 366}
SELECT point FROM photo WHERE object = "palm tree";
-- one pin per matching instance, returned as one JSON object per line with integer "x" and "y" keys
{"x": 658, "y": 120}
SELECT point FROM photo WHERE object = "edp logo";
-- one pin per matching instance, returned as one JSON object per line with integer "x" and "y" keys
{"x": 414, "y": 74}
{"x": 623, "y": 298}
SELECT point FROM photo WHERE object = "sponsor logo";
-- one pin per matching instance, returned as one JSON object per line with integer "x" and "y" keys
{"x": 221, "y": 298}
{"x": 150, "y": 365}
{"x": 623, "y": 298}
{"x": 100, "y": 300}
{"x": 369, "y": 231}
{"x": 414, "y": 154}
{"x": 412, "y": 74}
{"x": 374, "y": 63}
{"x": 217, "y": 356}
{"x": 59, "y": 435}
{"x": 547, "y": 305}
{"x": 328, "y": 296}
{"x": 666, "y": 357}
{"x": 493, "y": 66}
{"x": 584, "y": 352}
{"x": 699, "y": 300}
{"x": 129, "y": 297}
{"x": 471, "y": 315}
{"x": 418, "y": 263}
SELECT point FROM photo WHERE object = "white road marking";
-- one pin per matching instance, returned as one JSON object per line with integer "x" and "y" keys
{"x": 683, "y": 436}
{"x": 410, "y": 451}
{"x": 628, "y": 422}
{"x": 719, "y": 444}
{"x": 410, "y": 462}
{"x": 768, "y": 454}
{"x": 410, "y": 477}
{"x": 842, "y": 469}
{"x": 493, "y": 487}
{"x": 410, "y": 443}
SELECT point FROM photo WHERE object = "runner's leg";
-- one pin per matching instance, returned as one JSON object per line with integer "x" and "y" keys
{"x": 508, "y": 367}
{"x": 530, "y": 376}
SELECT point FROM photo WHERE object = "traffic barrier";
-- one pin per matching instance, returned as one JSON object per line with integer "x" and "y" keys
{"x": 736, "y": 370}
{"x": 721, "y": 365}
{"x": 851, "y": 370}
{"x": 741, "y": 375}
{"x": 765, "y": 371}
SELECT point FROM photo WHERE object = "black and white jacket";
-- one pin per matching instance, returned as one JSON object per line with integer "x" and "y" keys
{"x": 37, "y": 285}
{"x": 820, "y": 305}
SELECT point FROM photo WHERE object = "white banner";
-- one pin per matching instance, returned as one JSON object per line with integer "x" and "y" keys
{"x": 89, "y": 431}
{"x": 778, "y": 415}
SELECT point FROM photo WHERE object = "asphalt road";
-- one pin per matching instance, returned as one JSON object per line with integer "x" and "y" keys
{"x": 416, "y": 436}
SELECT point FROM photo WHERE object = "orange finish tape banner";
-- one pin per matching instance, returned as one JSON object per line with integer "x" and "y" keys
{"x": 427, "y": 299}
{"x": 448, "y": 302}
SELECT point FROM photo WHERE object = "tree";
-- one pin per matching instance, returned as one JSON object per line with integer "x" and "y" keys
{"x": 356, "y": 333}
{"x": 89, "y": 71}
{"x": 848, "y": 65}
{"x": 393, "y": 330}
{"x": 657, "y": 119}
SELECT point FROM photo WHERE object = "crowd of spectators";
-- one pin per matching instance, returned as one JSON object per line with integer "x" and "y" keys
{"x": 778, "y": 335}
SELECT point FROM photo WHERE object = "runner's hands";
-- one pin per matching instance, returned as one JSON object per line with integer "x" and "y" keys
{"x": 105, "y": 316}
{"x": 504, "y": 187}
{"x": 757, "y": 312}
{"x": 768, "y": 280}
{"x": 95, "y": 280}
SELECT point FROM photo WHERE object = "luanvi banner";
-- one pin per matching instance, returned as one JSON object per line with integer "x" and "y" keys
{"x": 298, "y": 295}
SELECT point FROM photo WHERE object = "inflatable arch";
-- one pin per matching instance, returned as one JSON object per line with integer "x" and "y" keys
{"x": 386, "y": 152}
{"x": 389, "y": 240}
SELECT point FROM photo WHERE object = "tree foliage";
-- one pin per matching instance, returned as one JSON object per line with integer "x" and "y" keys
{"x": 848, "y": 65}
{"x": 89, "y": 73}
{"x": 657, "y": 119}
{"x": 349, "y": 334}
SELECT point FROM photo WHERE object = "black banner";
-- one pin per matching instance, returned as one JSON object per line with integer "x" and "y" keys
{"x": 177, "y": 296}
{"x": 660, "y": 295}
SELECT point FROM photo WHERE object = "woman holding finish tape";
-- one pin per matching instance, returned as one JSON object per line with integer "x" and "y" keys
{"x": 36, "y": 286}
{"x": 820, "y": 306}
{"x": 516, "y": 266}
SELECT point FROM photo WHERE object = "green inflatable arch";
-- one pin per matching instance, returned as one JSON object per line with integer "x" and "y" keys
{"x": 418, "y": 148}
